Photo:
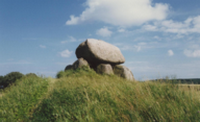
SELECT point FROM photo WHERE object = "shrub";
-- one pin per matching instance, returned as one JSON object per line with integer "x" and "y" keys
{"x": 76, "y": 72}
{"x": 11, "y": 78}
{"x": 60, "y": 74}
{"x": 1, "y": 78}
{"x": 1, "y": 81}
{"x": 31, "y": 75}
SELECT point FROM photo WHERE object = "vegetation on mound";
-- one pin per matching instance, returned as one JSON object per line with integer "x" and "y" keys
{"x": 83, "y": 95}
{"x": 18, "y": 101}
{"x": 10, "y": 78}
{"x": 31, "y": 75}
{"x": 78, "y": 72}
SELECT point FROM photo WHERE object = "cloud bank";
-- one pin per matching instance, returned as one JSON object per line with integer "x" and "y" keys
{"x": 121, "y": 12}
{"x": 192, "y": 53}
{"x": 190, "y": 25}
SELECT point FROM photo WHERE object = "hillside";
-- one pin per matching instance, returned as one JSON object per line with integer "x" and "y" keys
{"x": 83, "y": 95}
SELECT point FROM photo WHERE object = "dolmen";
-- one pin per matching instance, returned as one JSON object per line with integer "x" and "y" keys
{"x": 101, "y": 56}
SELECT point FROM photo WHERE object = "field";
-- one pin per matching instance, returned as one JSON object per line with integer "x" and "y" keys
{"x": 191, "y": 86}
{"x": 194, "y": 89}
{"x": 83, "y": 95}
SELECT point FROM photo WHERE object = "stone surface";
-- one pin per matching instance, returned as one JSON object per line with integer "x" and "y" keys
{"x": 68, "y": 67}
{"x": 98, "y": 51}
{"x": 123, "y": 71}
{"x": 104, "y": 69}
{"x": 80, "y": 63}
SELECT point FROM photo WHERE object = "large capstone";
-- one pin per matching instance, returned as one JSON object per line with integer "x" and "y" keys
{"x": 98, "y": 51}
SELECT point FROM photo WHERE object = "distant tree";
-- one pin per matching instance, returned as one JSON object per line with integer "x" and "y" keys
{"x": 11, "y": 78}
{"x": 1, "y": 81}
{"x": 31, "y": 75}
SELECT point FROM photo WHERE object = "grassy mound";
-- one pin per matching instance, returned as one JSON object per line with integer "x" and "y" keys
{"x": 83, "y": 95}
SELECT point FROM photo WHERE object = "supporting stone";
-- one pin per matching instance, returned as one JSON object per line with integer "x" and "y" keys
{"x": 80, "y": 63}
{"x": 124, "y": 72}
{"x": 104, "y": 69}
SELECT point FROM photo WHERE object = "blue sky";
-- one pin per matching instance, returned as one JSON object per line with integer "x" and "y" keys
{"x": 157, "y": 38}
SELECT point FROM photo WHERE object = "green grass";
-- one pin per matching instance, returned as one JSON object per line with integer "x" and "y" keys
{"x": 18, "y": 101}
{"x": 83, "y": 95}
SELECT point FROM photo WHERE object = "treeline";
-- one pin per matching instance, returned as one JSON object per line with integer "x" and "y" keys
{"x": 11, "y": 78}
{"x": 190, "y": 81}
{"x": 182, "y": 81}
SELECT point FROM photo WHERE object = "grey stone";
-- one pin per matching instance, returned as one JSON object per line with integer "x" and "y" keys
{"x": 80, "y": 63}
{"x": 104, "y": 69}
{"x": 98, "y": 51}
{"x": 124, "y": 72}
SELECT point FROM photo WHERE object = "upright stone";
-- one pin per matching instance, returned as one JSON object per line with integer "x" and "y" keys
{"x": 104, "y": 69}
{"x": 80, "y": 63}
{"x": 98, "y": 51}
{"x": 124, "y": 72}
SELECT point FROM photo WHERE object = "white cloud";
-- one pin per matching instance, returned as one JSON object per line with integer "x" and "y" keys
{"x": 121, "y": 12}
{"x": 170, "y": 53}
{"x": 121, "y": 30}
{"x": 150, "y": 27}
{"x": 190, "y": 25}
{"x": 123, "y": 46}
{"x": 66, "y": 53}
{"x": 104, "y": 32}
{"x": 73, "y": 21}
{"x": 140, "y": 45}
{"x": 192, "y": 53}
{"x": 157, "y": 37}
{"x": 42, "y": 46}
{"x": 71, "y": 39}
{"x": 137, "y": 47}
